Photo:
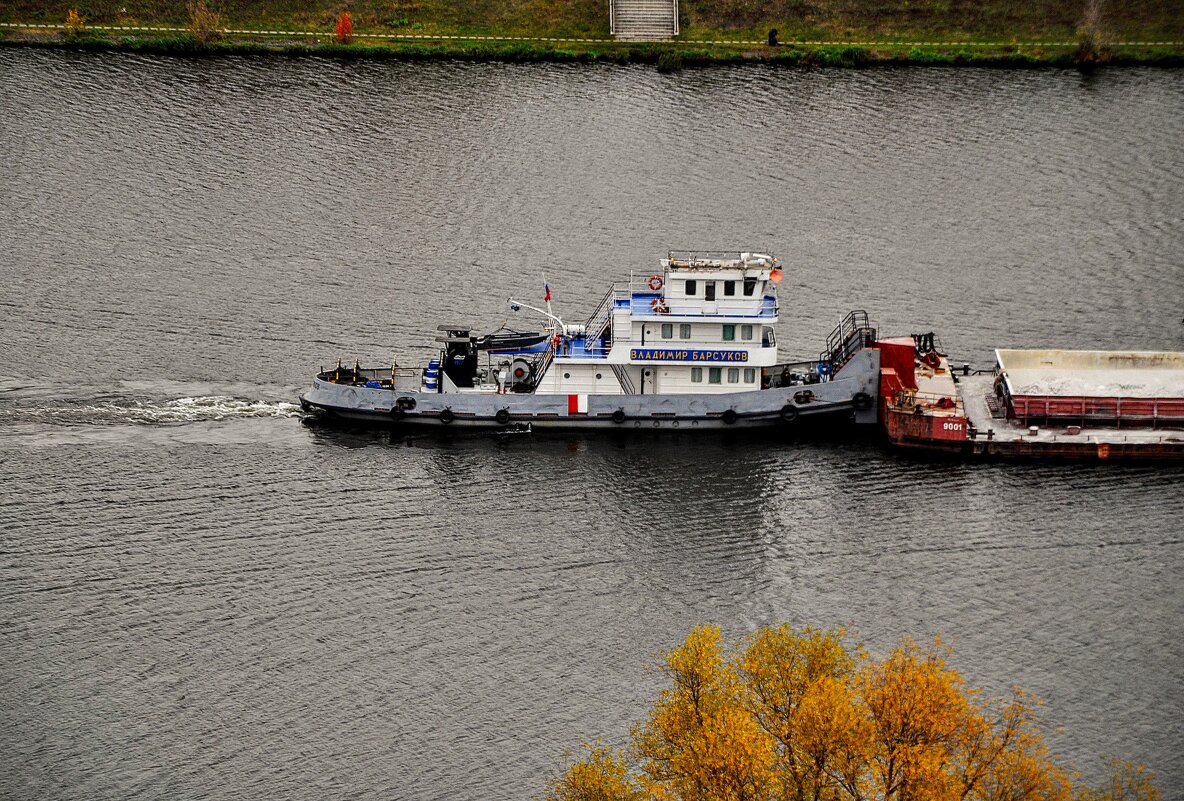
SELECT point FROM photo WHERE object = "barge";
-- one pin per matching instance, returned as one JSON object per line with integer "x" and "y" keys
{"x": 690, "y": 345}
{"x": 1059, "y": 404}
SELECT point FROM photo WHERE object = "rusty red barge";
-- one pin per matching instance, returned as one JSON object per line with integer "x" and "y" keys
{"x": 1034, "y": 404}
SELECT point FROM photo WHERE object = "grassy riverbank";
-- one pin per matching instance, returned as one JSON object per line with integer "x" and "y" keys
{"x": 811, "y": 32}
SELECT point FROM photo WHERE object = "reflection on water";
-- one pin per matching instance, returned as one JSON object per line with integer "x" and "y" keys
{"x": 207, "y": 596}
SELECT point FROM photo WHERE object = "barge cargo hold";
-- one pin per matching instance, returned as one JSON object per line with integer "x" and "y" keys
{"x": 1037, "y": 404}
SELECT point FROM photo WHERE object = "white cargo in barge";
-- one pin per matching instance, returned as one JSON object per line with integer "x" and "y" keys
{"x": 691, "y": 345}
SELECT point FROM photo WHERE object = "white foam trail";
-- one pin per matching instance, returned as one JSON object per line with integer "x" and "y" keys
{"x": 205, "y": 408}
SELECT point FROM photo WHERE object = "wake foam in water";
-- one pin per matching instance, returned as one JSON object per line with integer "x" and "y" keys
{"x": 128, "y": 411}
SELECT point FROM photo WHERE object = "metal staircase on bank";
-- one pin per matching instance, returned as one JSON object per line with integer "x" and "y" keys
{"x": 643, "y": 20}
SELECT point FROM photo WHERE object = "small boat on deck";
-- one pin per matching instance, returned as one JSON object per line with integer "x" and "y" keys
{"x": 689, "y": 346}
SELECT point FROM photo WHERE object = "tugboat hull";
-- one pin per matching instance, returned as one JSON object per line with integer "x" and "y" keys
{"x": 851, "y": 394}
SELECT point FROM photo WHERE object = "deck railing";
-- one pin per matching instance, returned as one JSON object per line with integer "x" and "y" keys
{"x": 850, "y": 336}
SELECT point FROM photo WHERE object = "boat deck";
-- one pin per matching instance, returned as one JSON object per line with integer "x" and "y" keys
{"x": 638, "y": 304}
{"x": 977, "y": 393}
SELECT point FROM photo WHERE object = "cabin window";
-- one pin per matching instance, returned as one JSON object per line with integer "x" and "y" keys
{"x": 770, "y": 339}
{"x": 684, "y": 331}
{"x": 733, "y": 375}
{"x": 714, "y": 375}
{"x": 749, "y": 375}
{"x": 709, "y": 290}
{"x": 729, "y": 333}
{"x": 696, "y": 375}
{"x": 749, "y": 287}
{"x": 729, "y": 288}
{"x": 667, "y": 330}
{"x": 692, "y": 286}
{"x": 746, "y": 332}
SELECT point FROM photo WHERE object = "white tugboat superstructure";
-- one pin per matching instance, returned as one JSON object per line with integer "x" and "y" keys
{"x": 691, "y": 345}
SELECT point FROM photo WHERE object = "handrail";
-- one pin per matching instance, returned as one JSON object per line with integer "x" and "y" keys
{"x": 599, "y": 319}
{"x": 848, "y": 338}
{"x": 909, "y": 400}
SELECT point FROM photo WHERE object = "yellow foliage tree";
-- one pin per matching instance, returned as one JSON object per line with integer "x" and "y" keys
{"x": 603, "y": 775}
{"x": 204, "y": 23}
{"x": 799, "y": 716}
{"x": 1127, "y": 782}
{"x": 75, "y": 24}
{"x": 700, "y": 743}
{"x": 798, "y": 691}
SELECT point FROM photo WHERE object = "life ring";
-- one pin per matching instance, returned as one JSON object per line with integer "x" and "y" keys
{"x": 655, "y": 282}
{"x": 502, "y": 416}
{"x": 619, "y": 416}
{"x": 729, "y": 416}
{"x": 447, "y": 416}
{"x": 861, "y": 400}
{"x": 789, "y": 413}
{"x": 659, "y": 306}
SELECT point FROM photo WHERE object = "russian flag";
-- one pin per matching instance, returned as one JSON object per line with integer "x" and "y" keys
{"x": 547, "y": 292}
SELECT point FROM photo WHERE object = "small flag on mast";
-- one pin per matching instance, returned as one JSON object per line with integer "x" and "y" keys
{"x": 547, "y": 292}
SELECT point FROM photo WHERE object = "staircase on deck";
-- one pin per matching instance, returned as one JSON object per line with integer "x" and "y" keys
{"x": 853, "y": 333}
{"x": 643, "y": 20}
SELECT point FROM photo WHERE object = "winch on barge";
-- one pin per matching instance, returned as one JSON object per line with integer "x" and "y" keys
{"x": 690, "y": 346}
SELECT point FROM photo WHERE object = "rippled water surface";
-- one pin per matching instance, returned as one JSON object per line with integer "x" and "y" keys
{"x": 205, "y": 597}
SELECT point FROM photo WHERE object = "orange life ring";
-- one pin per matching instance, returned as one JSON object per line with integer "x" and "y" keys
{"x": 659, "y": 306}
{"x": 655, "y": 282}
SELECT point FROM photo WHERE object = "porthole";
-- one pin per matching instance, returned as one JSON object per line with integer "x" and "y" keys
{"x": 567, "y": 375}
{"x": 598, "y": 376}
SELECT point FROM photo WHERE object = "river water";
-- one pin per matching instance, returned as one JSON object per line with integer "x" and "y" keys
{"x": 205, "y": 597}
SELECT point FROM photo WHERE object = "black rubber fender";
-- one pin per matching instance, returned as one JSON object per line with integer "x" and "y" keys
{"x": 447, "y": 416}
{"x": 789, "y": 413}
{"x": 619, "y": 416}
{"x": 502, "y": 416}
{"x": 729, "y": 416}
{"x": 861, "y": 400}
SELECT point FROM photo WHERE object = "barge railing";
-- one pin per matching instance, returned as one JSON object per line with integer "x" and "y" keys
{"x": 1116, "y": 411}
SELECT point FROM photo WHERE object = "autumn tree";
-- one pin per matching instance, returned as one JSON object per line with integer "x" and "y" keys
{"x": 204, "y": 23}
{"x": 344, "y": 31}
{"x": 800, "y": 716}
{"x": 798, "y": 690}
{"x": 603, "y": 775}
{"x": 75, "y": 24}
{"x": 1126, "y": 782}
{"x": 700, "y": 743}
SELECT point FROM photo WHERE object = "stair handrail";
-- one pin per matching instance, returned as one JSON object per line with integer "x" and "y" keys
{"x": 600, "y": 318}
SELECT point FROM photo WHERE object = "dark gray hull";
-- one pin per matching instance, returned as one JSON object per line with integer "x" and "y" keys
{"x": 851, "y": 395}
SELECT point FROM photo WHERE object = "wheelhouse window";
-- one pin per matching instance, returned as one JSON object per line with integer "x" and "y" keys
{"x": 696, "y": 375}
{"x": 684, "y": 331}
{"x": 729, "y": 333}
{"x": 746, "y": 332}
{"x": 667, "y": 330}
{"x": 692, "y": 287}
{"x": 749, "y": 375}
{"x": 715, "y": 375}
{"x": 709, "y": 290}
{"x": 729, "y": 288}
{"x": 749, "y": 287}
{"x": 733, "y": 375}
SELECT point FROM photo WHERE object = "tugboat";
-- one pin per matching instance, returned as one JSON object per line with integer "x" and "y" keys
{"x": 690, "y": 346}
